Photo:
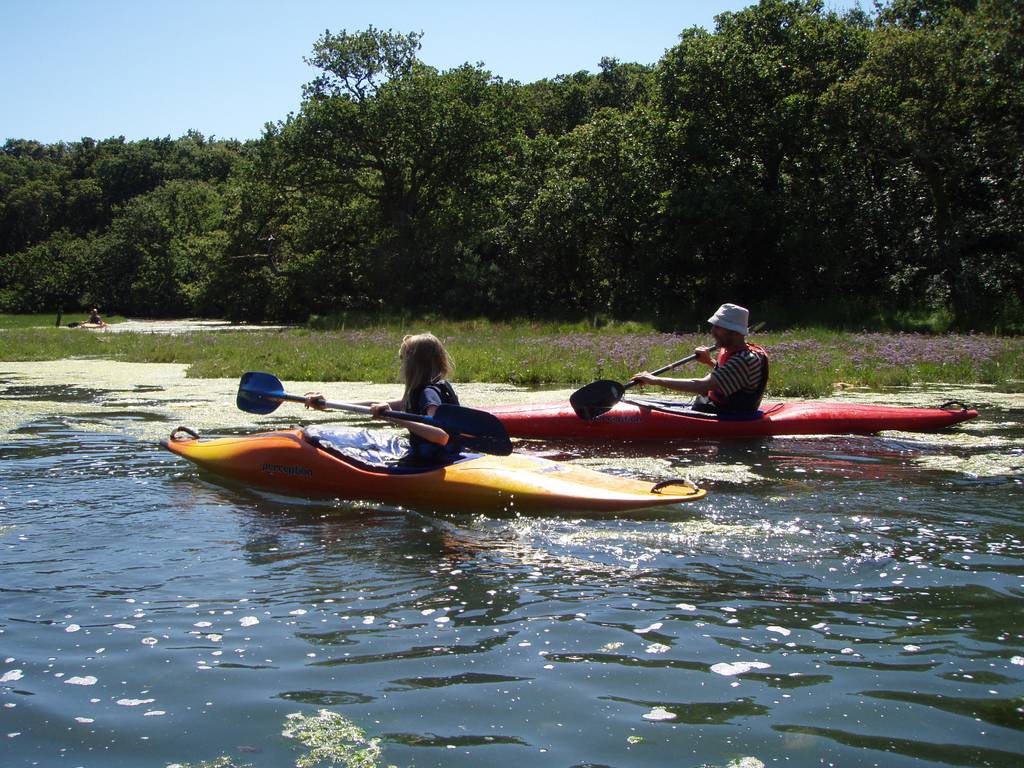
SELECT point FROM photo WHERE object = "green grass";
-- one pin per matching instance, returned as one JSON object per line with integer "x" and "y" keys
{"x": 806, "y": 362}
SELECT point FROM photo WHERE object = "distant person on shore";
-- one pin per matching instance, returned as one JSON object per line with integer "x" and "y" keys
{"x": 424, "y": 364}
{"x": 95, "y": 319}
{"x": 740, "y": 372}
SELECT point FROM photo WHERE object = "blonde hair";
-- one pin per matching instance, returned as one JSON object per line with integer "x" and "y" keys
{"x": 424, "y": 360}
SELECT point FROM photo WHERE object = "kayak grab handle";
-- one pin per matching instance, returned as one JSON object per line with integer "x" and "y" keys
{"x": 675, "y": 481}
{"x": 192, "y": 434}
{"x": 949, "y": 406}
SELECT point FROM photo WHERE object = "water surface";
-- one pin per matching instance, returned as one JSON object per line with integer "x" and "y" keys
{"x": 853, "y": 601}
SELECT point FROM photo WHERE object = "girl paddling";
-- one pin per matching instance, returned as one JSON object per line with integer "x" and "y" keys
{"x": 424, "y": 364}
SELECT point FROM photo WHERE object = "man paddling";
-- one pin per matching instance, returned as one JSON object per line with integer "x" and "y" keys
{"x": 739, "y": 376}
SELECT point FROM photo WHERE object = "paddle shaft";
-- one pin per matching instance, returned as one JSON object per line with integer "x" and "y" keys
{"x": 261, "y": 393}
{"x": 688, "y": 358}
{"x": 670, "y": 366}
{"x": 336, "y": 406}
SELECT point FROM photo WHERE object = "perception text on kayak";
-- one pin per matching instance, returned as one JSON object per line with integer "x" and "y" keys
{"x": 281, "y": 469}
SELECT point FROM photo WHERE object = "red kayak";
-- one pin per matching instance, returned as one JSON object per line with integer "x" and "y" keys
{"x": 646, "y": 419}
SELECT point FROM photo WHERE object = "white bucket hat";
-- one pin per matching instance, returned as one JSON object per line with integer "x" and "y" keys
{"x": 731, "y": 316}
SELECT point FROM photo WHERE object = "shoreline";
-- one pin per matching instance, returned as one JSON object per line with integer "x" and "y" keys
{"x": 806, "y": 363}
{"x": 145, "y": 401}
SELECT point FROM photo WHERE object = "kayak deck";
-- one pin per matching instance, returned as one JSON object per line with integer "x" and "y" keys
{"x": 287, "y": 462}
{"x": 643, "y": 419}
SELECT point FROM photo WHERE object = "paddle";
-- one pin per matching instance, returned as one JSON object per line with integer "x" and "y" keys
{"x": 600, "y": 396}
{"x": 262, "y": 393}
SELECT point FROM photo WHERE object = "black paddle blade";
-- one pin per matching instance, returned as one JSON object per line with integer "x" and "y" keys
{"x": 596, "y": 398}
{"x": 259, "y": 392}
{"x": 475, "y": 430}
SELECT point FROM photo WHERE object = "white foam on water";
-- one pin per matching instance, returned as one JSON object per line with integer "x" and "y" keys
{"x": 659, "y": 713}
{"x": 728, "y": 669}
{"x": 644, "y": 630}
{"x": 86, "y": 680}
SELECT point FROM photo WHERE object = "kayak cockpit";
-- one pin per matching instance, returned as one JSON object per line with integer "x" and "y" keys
{"x": 377, "y": 451}
{"x": 685, "y": 408}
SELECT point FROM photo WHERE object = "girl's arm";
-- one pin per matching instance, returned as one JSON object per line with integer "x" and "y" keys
{"x": 426, "y": 431}
{"x": 433, "y": 434}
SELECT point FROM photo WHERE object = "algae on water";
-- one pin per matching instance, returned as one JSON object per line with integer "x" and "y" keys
{"x": 146, "y": 400}
{"x": 328, "y": 738}
{"x": 331, "y": 739}
{"x": 221, "y": 762}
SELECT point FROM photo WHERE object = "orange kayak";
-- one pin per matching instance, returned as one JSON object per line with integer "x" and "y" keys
{"x": 306, "y": 463}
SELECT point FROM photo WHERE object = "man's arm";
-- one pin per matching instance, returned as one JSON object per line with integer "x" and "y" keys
{"x": 696, "y": 386}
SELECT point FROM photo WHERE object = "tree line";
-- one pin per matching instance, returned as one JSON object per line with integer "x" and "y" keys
{"x": 796, "y": 159}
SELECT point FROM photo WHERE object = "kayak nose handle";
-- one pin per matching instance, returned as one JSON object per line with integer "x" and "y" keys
{"x": 954, "y": 405}
{"x": 192, "y": 434}
{"x": 675, "y": 481}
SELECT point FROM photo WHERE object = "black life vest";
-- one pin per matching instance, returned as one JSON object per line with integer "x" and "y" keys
{"x": 423, "y": 451}
{"x": 741, "y": 401}
{"x": 443, "y": 389}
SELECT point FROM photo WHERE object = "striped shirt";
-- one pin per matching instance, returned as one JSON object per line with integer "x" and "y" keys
{"x": 740, "y": 373}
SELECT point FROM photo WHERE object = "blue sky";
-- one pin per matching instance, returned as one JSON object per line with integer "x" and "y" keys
{"x": 149, "y": 68}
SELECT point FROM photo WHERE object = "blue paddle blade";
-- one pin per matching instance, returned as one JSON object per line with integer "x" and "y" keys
{"x": 259, "y": 392}
{"x": 476, "y": 430}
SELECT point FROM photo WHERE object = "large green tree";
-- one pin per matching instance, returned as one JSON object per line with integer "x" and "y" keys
{"x": 852, "y": 161}
{"x": 743, "y": 140}
{"x": 411, "y": 154}
{"x": 937, "y": 106}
